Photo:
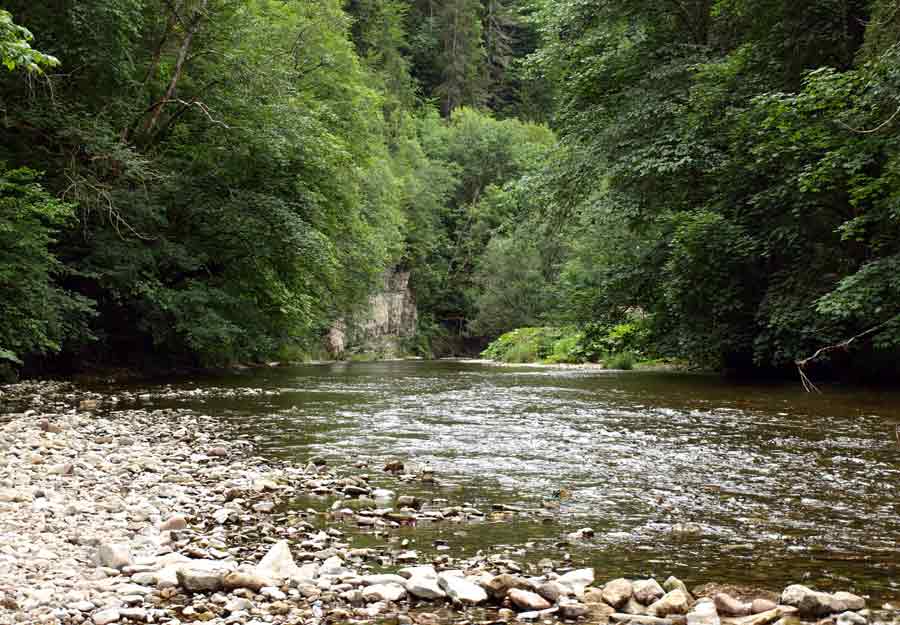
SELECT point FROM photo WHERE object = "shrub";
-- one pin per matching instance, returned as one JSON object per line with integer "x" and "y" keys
{"x": 622, "y": 360}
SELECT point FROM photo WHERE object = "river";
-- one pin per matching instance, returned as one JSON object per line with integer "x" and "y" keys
{"x": 677, "y": 474}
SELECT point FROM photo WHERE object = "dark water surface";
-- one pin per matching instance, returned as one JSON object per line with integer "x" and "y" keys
{"x": 677, "y": 474}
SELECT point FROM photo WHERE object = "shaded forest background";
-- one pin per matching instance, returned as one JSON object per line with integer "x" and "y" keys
{"x": 210, "y": 181}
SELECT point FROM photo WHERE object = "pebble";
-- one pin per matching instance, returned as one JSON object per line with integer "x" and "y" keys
{"x": 94, "y": 529}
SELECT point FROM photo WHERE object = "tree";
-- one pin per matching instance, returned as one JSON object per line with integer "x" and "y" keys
{"x": 15, "y": 47}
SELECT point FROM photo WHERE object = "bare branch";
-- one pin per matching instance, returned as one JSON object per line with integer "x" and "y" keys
{"x": 876, "y": 129}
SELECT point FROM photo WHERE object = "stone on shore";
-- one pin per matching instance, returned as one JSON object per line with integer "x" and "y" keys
{"x": 278, "y": 563}
{"x": 114, "y": 555}
{"x": 200, "y": 580}
{"x": 105, "y": 617}
{"x": 617, "y": 592}
{"x": 424, "y": 587}
{"x": 673, "y": 602}
{"x": 811, "y": 603}
{"x": 647, "y": 591}
{"x": 527, "y": 600}
{"x": 762, "y": 605}
{"x": 175, "y": 522}
{"x": 384, "y": 592}
{"x": 460, "y": 590}
{"x": 729, "y": 606}
{"x": 251, "y": 580}
{"x": 499, "y": 586}
{"x": 576, "y": 581}
{"x": 704, "y": 612}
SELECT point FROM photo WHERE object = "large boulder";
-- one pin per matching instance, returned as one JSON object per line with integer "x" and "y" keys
{"x": 617, "y": 592}
{"x": 461, "y": 590}
{"x": 673, "y": 602}
{"x": 811, "y": 603}
{"x": 576, "y": 581}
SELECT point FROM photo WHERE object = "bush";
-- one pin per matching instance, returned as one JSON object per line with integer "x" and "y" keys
{"x": 36, "y": 316}
{"x": 622, "y": 360}
{"x": 547, "y": 344}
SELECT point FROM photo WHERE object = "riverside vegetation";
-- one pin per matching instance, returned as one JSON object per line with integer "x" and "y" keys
{"x": 203, "y": 182}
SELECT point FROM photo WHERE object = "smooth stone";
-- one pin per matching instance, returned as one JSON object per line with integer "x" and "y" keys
{"x": 617, "y": 592}
{"x": 574, "y": 610}
{"x": 673, "y": 602}
{"x": 239, "y": 604}
{"x": 278, "y": 563}
{"x": 387, "y": 578}
{"x": 810, "y": 602}
{"x": 114, "y": 555}
{"x": 176, "y": 522}
{"x": 704, "y": 612}
{"x": 384, "y": 592}
{"x": 199, "y": 580}
{"x": 499, "y": 586}
{"x": 633, "y": 607}
{"x": 673, "y": 583}
{"x": 853, "y": 602}
{"x": 647, "y": 591}
{"x": 462, "y": 590}
{"x": 851, "y": 618}
{"x": 424, "y": 587}
{"x": 762, "y": 605}
{"x": 245, "y": 579}
{"x": 729, "y": 606}
{"x": 104, "y": 617}
{"x": 527, "y": 600}
{"x": 134, "y": 614}
{"x": 576, "y": 581}
{"x": 531, "y": 616}
{"x": 764, "y": 618}
{"x": 552, "y": 591}
{"x": 418, "y": 571}
{"x": 273, "y": 593}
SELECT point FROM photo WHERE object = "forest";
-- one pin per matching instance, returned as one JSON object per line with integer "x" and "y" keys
{"x": 205, "y": 182}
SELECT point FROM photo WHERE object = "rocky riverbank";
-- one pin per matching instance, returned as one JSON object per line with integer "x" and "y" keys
{"x": 110, "y": 513}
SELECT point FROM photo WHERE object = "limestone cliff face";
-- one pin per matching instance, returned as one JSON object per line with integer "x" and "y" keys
{"x": 392, "y": 314}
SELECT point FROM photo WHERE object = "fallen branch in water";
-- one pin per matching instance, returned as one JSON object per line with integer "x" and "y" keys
{"x": 808, "y": 385}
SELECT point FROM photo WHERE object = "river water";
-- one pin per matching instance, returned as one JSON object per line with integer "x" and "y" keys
{"x": 676, "y": 473}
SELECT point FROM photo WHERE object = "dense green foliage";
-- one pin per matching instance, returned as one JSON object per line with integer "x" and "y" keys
{"x": 223, "y": 179}
{"x": 728, "y": 169}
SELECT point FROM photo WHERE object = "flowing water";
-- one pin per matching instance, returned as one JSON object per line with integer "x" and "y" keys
{"x": 676, "y": 473}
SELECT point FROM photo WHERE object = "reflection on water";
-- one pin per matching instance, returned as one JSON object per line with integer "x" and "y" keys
{"x": 775, "y": 485}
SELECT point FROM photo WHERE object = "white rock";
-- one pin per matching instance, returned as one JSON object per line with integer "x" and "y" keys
{"x": 424, "y": 587}
{"x": 461, "y": 590}
{"x": 272, "y": 593}
{"x": 332, "y": 567}
{"x": 576, "y": 581}
{"x": 114, "y": 555}
{"x": 384, "y": 592}
{"x": 387, "y": 578}
{"x": 278, "y": 563}
{"x": 703, "y": 613}
{"x": 104, "y": 617}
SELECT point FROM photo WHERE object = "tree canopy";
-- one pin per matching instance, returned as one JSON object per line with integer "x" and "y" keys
{"x": 208, "y": 181}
